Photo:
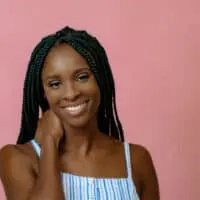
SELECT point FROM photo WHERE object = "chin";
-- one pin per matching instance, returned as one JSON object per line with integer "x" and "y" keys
{"x": 80, "y": 122}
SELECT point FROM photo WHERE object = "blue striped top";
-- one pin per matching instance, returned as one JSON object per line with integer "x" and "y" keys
{"x": 90, "y": 188}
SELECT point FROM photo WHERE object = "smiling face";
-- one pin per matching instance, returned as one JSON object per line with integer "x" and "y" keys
{"x": 70, "y": 87}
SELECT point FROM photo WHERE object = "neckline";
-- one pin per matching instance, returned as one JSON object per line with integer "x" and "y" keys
{"x": 94, "y": 178}
{"x": 127, "y": 164}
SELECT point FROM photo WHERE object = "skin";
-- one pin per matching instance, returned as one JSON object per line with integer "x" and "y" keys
{"x": 71, "y": 144}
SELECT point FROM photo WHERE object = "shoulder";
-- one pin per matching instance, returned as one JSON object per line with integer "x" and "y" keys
{"x": 14, "y": 157}
{"x": 11, "y": 152}
{"x": 143, "y": 167}
{"x": 141, "y": 161}
{"x": 17, "y": 164}
{"x": 140, "y": 155}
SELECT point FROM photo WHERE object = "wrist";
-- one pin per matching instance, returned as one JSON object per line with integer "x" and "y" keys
{"x": 53, "y": 141}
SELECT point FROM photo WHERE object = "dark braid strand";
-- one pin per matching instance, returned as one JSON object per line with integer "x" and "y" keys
{"x": 95, "y": 55}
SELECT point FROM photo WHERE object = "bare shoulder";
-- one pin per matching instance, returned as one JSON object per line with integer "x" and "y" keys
{"x": 11, "y": 153}
{"x": 16, "y": 164}
{"x": 140, "y": 155}
{"x": 14, "y": 158}
{"x": 16, "y": 153}
{"x": 144, "y": 169}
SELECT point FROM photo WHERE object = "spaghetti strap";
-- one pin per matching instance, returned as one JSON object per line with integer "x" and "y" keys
{"x": 128, "y": 160}
{"x": 36, "y": 147}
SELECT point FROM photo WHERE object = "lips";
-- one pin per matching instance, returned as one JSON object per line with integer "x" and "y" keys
{"x": 77, "y": 109}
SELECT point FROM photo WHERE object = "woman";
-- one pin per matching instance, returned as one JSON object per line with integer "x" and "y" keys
{"x": 77, "y": 150}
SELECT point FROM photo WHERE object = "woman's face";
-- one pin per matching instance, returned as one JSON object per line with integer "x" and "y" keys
{"x": 70, "y": 87}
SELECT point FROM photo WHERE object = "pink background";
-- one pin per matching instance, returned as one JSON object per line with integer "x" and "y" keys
{"x": 154, "y": 49}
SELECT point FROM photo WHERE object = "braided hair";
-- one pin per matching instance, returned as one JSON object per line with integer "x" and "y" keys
{"x": 95, "y": 55}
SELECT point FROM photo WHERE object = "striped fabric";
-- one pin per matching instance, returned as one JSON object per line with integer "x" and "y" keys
{"x": 89, "y": 188}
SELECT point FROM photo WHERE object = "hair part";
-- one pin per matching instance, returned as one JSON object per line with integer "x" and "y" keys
{"x": 33, "y": 92}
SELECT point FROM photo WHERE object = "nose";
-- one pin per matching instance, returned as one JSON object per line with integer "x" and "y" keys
{"x": 70, "y": 91}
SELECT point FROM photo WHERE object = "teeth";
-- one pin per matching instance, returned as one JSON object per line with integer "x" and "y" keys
{"x": 74, "y": 108}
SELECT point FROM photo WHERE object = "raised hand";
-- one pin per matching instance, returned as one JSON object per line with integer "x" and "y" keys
{"x": 49, "y": 125}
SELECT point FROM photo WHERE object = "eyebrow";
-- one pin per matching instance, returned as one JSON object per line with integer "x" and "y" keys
{"x": 82, "y": 69}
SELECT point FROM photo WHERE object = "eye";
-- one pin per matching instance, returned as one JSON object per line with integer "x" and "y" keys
{"x": 54, "y": 84}
{"x": 83, "y": 77}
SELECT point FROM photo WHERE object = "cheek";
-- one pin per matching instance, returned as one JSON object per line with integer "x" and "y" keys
{"x": 96, "y": 92}
{"x": 96, "y": 96}
{"x": 51, "y": 97}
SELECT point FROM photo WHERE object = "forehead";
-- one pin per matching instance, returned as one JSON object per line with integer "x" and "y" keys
{"x": 63, "y": 57}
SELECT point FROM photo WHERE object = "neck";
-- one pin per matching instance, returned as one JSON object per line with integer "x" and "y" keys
{"x": 80, "y": 139}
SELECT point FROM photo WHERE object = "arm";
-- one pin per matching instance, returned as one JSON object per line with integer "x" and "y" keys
{"x": 16, "y": 173}
{"x": 146, "y": 172}
{"x": 48, "y": 186}
{"x": 19, "y": 180}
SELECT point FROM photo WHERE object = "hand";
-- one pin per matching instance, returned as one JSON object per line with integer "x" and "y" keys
{"x": 49, "y": 125}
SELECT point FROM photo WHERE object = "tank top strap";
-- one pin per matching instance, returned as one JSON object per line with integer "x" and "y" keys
{"x": 128, "y": 159}
{"x": 36, "y": 147}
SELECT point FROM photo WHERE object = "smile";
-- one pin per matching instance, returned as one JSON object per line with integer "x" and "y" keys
{"x": 76, "y": 110}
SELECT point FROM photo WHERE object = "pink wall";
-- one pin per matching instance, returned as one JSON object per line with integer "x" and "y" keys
{"x": 154, "y": 49}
